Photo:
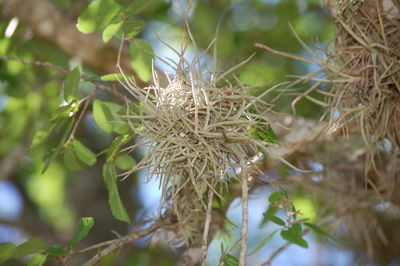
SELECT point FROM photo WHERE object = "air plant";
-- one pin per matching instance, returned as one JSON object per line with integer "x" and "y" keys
{"x": 201, "y": 131}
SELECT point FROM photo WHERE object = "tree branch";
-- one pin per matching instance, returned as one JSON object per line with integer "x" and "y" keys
{"x": 118, "y": 243}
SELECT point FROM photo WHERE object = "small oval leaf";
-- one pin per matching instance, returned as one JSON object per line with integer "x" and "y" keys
{"x": 116, "y": 205}
{"x": 125, "y": 161}
{"x": 84, "y": 226}
{"x": 97, "y": 15}
{"x": 142, "y": 56}
{"x": 85, "y": 155}
{"x": 71, "y": 84}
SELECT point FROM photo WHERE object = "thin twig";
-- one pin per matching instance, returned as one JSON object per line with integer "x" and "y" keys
{"x": 207, "y": 228}
{"x": 245, "y": 214}
{"x": 35, "y": 63}
{"x": 96, "y": 246}
{"x": 118, "y": 243}
{"x": 292, "y": 56}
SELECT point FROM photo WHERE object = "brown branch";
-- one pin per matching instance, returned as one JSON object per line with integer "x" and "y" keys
{"x": 49, "y": 22}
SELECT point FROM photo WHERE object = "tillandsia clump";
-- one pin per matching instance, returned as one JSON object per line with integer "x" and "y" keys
{"x": 365, "y": 70}
{"x": 201, "y": 136}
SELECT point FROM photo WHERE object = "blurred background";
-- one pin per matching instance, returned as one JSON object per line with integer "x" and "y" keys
{"x": 48, "y": 205}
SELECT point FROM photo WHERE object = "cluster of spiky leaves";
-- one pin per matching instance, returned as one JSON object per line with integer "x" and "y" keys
{"x": 365, "y": 73}
{"x": 198, "y": 134}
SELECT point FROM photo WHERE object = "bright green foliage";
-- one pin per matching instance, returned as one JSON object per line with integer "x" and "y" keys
{"x": 110, "y": 179}
{"x": 110, "y": 30}
{"x": 142, "y": 56}
{"x": 84, "y": 226}
{"x": 37, "y": 260}
{"x": 97, "y": 15}
{"x": 85, "y": 155}
{"x": 71, "y": 85}
{"x": 125, "y": 161}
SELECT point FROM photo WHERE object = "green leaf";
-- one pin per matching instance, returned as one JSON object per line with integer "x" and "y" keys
{"x": 72, "y": 161}
{"x": 275, "y": 197}
{"x": 57, "y": 122}
{"x": 71, "y": 84}
{"x": 268, "y": 214}
{"x": 6, "y": 251}
{"x": 52, "y": 154}
{"x": 85, "y": 155}
{"x": 262, "y": 243}
{"x": 110, "y": 179}
{"x": 97, "y": 15}
{"x": 135, "y": 7}
{"x": 318, "y": 230}
{"x": 277, "y": 220}
{"x": 293, "y": 235}
{"x": 110, "y": 30}
{"x": 265, "y": 133}
{"x": 84, "y": 226}
{"x": 133, "y": 27}
{"x": 125, "y": 161}
{"x": 37, "y": 260}
{"x": 31, "y": 246}
{"x": 113, "y": 77}
{"x": 42, "y": 135}
{"x": 142, "y": 56}
{"x": 116, "y": 146}
{"x": 56, "y": 251}
{"x": 230, "y": 260}
{"x": 105, "y": 115}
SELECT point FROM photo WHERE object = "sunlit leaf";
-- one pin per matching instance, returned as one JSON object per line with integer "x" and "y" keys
{"x": 84, "y": 226}
{"x": 112, "y": 77}
{"x": 97, "y": 15}
{"x": 71, "y": 84}
{"x": 110, "y": 30}
{"x": 125, "y": 161}
{"x": 37, "y": 260}
{"x": 116, "y": 205}
{"x": 142, "y": 56}
{"x": 31, "y": 246}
